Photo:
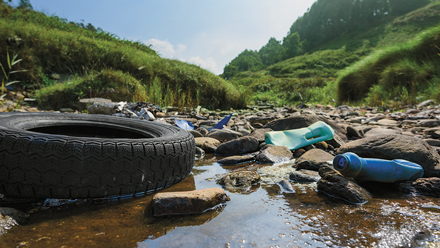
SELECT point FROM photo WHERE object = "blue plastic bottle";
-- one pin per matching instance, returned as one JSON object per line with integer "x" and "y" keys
{"x": 371, "y": 169}
{"x": 297, "y": 138}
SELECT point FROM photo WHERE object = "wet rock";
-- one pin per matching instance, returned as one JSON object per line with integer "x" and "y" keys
{"x": 188, "y": 202}
{"x": 259, "y": 133}
{"x": 340, "y": 187}
{"x": 396, "y": 147}
{"x": 6, "y": 223}
{"x": 423, "y": 186}
{"x": 378, "y": 131}
{"x": 195, "y": 133}
{"x": 286, "y": 187}
{"x": 304, "y": 176}
{"x": 19, "y": 216}
{"x": 274, "y": 154}
{"x": 238, "y": 146}
{"x": 239, "y": 179}
{"x": 313, "y": 160}
{"x": 236, "y": 159}
{"x": 224, "y": 134}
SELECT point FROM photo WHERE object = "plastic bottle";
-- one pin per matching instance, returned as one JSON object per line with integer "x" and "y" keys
{"x": 297, "y": 138}
{"x": 380, "y": 170}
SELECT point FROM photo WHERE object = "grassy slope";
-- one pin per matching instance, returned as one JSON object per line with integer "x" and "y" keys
{"x": 329, "y": 59}
{"x": 51, "y": 45}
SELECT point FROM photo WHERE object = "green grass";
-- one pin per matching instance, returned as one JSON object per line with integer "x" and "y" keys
{"x": 78, "y": 51}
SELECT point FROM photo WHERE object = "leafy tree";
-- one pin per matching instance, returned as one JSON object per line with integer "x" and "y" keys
{"x": 247, "y": 60}
{"x": 25, "y": 4}
{"x": 272, "y": 52}
{"x": 292, "y": 45}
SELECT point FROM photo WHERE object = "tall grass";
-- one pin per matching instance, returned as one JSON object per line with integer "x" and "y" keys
{"x": 407, "y": 66}
{"x": 75, "y": 51}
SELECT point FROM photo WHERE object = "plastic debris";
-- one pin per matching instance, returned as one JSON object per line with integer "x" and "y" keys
{"x": 184, "y": 124}
{"x": 222, "y": 122}
{"x": 380, "y": 170}
{"x": 297, "y": 138}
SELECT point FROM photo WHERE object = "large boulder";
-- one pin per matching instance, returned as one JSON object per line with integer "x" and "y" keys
{"x": 396, "y": 147}
{"x": 274, "y": 154}
{"x": 188, "y": 202}
{"x": 313, "y": 160}
{"x": 224, "y": 134}
{"x": 238, "y": 146}
{"x": 334, "y": 184}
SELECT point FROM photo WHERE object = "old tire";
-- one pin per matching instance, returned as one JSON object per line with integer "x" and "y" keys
{"x": 50, "y": 155}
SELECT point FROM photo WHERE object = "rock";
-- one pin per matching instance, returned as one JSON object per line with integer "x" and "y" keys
{"x": 203, "y": 131}
{"x": 354, "y": 133}
{"x": 396, "y": 147}
{"x": 259, "y": 133}
{"x": 425, "y": 103}
{"x": 20, "y": 216}
{"x": 84, "y": 102}
{"x": 188, "y": 202}
{"x": 260, "y": 120}
{"x": 299, "y": 152}
{"x": 286, "y": 187}
{"x": 429, "y": 123}
{"x": 433, "y": 142}
{"x": 423, "y": 186}
{"x": 243, "y": 131}
{"x": 200, "y": 141}
{"x": 387, "y": 122}
{"x": 66, "y": 110}
{"x": 224, "y": 134}
{"x": 195, "y": 133}
{"x": 274, "y": 154}
{"x": 321, "y": 145}
{"x": 236, "y": 159}
{"x": 147, "y": 115}
{"x": 240, "y": 179}
{"x": 238, "y": 146}
{"x": 209, "y": 147}
{"x": 313, "y": 160}
{"x": 55, "y": 76}
{"x": 6, "y": 222}
{"x": 378, "y": 131}
{"x": 102, "y": 108}
{"x": 304, "y": 176}
{"x": 340, "y": 187}
{"x": 301, "y": 121}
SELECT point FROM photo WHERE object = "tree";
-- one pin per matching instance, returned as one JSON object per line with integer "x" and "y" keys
{"x": 292, "y": 45}
{"x": 272, "y": 52}
{"x": 25, "y": 4}
{"x": 247, "y": 60}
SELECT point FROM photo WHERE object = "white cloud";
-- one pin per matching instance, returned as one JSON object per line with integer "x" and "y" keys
{"x": 166, "y": 49}
{"x": 208, "y": 64}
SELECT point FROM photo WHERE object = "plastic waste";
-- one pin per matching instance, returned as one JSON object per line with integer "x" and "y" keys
{"x": 222, "y": 122}
{"x": 297, "y": 138}
{"x": 184, "y": 124}
{"x": 380, "y": 170}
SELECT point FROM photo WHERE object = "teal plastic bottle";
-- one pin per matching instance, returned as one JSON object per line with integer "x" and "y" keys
{"x": 297, "y": 138}
{"x": 380, "y": 170}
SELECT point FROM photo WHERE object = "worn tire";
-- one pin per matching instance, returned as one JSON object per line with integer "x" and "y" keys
{"x": 50, "y": 155}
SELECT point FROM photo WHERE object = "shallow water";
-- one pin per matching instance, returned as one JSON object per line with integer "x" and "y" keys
{"x": 259, "y": 216}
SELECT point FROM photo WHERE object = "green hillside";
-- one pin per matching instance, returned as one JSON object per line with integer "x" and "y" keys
{"x": 93, "y": 61}
{"x": 323, "y": 59}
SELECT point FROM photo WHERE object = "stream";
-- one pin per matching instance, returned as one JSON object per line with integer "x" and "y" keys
{"x": 259, "y": 216}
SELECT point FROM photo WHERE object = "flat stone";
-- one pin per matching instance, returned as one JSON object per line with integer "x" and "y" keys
{"x": 238, "y": 146}
{"x": 378, "y": 131}
{"x": 236, "y": 159}
{"x": 274, "y": 154}
{"x": 313, "y": 160}
{"x": 304, "y": 176}
{"x": 201, "y": 140}
{"x": 387, "y": 122}
{"x": 188, "y": 202}
{"x": 224, "y": 134}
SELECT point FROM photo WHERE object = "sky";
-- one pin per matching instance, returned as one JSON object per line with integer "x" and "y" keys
{"x": 206, "y": 33}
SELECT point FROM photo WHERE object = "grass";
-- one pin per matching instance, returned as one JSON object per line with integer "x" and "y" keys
{"x": 52, "y": 45}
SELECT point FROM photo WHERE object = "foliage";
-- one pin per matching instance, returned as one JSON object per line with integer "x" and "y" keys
{"x": 247, "y": 60}
{"x": 52, "y": 45}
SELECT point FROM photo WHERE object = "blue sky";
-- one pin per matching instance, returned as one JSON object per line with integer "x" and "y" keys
{"x": 202, "y": 32}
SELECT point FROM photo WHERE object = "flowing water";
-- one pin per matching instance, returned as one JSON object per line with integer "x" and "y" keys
{"x": 258, "y": 216}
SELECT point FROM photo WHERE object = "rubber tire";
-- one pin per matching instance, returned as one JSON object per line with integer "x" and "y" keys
{"x": 40, "y": 165}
